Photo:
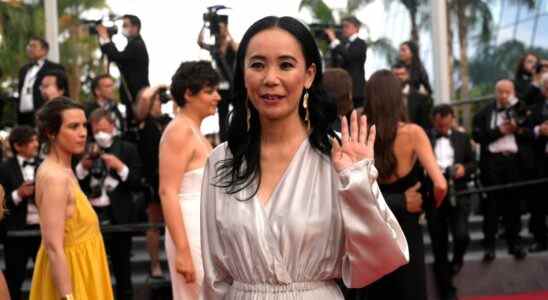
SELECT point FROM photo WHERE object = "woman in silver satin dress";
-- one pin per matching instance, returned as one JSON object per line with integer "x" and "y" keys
{"x": 288, "y": 207}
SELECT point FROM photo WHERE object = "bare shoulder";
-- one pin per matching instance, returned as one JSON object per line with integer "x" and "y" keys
{"x": 49, "y": 174}
{"x": 177, "y": 134}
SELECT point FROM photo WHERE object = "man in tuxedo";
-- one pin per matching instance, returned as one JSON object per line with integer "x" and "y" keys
{"x": 102, "y": 88}
{"x": 539, "y": 207}
{"x": 109, "y": 174}
{"x": 418, "y": 104}
{"x": 455, "y": 157}
{"x": 30, "y": 77}
{"x": 132, "y": 61}
{"x": 350, "y": 54}
{"x": 505, "y": 149}
{"x": 17, "y": 178}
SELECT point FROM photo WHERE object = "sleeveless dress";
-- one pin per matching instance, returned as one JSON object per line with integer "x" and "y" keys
{"x": 86, "y": 258}
{"x": 189, "y": 201}
{"x": 409, "y": 281}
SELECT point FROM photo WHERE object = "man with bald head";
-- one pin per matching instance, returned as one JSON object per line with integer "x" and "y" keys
{"x": 502, "y": 142}
{"x": 539, "y": 207}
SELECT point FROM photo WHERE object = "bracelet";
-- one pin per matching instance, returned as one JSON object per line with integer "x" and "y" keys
{"x": 67, "y": 297}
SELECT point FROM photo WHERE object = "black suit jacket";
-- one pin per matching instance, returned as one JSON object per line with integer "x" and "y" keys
{"x": 37, "y": 96}
{"x": 121, "y": 197}
{"x": 352, "y": 59}
{"x": 133, "y": 65}
{"x": 11, "y": 178}
{"x": 463, "y": 154}
{"x": 484, "y": 135}
{"x": 419, "y": 107}
{"x": 537, "y": 117}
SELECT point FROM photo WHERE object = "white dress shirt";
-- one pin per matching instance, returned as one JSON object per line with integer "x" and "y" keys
{"x": 445, "y": 154}
{"x": 108, "y": 185}
{"x": 507, "y": 143}
{"x": 28, "y": 175}
{"x": 26, "y": 103}
{"x": 334, "y": 43}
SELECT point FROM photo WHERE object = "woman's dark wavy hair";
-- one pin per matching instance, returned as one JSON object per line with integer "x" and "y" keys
{"x": 520, "y": 69}
{"x": 49, "y": 118}
{"x": 417, "y": 72}
{"x": 240, "y": 171}
{"x": 385, "y": 109}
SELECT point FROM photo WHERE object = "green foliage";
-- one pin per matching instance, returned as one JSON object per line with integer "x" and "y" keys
{"x": 497, "y": 63}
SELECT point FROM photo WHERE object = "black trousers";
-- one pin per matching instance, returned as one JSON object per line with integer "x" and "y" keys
{"x": 501, "y": 169}
{"x": 441, "y": 221}
{"x": 118, "y": 247}
{"x": 539, "y": 206}
{"x": 17, "y": 252}
{"x": 409, "y": 281}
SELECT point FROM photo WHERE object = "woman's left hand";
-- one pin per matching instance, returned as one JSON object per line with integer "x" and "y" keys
{"x": 357, "y": 142}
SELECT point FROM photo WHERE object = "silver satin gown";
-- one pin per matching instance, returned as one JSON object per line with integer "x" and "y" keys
{"x": 317, "y": 226}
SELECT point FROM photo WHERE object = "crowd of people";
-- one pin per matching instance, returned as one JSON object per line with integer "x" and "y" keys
{"x": 317, "y": 191}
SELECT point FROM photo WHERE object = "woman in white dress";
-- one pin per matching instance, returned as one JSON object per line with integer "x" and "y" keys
{"x": 183, "y": 153}
{"x": 286, "y": 208}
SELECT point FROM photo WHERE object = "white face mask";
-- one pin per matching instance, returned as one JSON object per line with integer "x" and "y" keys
{"x": 125, "y": 32}
{"x": 103, "y": 139}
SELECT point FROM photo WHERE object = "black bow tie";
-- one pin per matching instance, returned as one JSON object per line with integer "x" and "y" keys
{"x": 440, "y": 135}
{"x": 31, "y": 163}
{"x": 500, "y": 109}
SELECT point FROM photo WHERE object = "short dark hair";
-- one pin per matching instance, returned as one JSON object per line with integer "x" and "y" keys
{"x": 338, "y": 84}
{"x": 353, "y": 20}
{"x": 443, "y": 110}
{"x": 134, "y": 20}
{"x": 61, "y": 80}
{"x": 100, "y": 114}
{"x": 42, "y": 42}
{"x": 21, "y": 135}
{"x": 400, "y": 65}
{"x": 192, "y": 75}
{"x": 95, "y": 82}
{"x": 49, "y": 117}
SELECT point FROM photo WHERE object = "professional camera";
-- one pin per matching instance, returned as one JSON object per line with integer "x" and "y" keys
{"x": 98, "y": 170}
{"x": 318, "y": 30}
{"x": 517, "y": 113}
{"x": 212, "y": 18}
{"x": 92, "y": 25}
{"x": 164, "y": 94}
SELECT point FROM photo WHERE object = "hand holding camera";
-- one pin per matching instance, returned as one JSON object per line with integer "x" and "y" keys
{"x": 112, "y": 162}
{"x": 330, "y": 33}
{"x": 458, "y": 171}
{"x": 508, "y": 127}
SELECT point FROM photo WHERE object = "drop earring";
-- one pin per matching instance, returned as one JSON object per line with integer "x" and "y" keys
{"x": 248, "y": 116}
{"x": 305, "y": 106}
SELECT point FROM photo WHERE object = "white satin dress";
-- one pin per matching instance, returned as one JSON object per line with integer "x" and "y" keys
{"x": 317, "y": 226}
{"x": 189, "y": 201}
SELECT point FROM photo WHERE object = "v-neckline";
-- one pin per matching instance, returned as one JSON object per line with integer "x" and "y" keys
{"x": 267, "y": 206}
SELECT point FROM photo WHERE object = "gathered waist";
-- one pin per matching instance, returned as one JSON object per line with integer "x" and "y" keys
{"x": 282, "y": 288}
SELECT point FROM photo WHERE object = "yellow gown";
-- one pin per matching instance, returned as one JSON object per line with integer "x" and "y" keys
{"x": 86, "y": 258}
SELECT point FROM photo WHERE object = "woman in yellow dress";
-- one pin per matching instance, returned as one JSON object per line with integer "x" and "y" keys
{"x": 4, "y": 293}
{"x": 71, "y": 262}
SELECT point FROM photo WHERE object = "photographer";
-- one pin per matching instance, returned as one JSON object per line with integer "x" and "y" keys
{"x": 109, "y": 174}
{"x": 223, "y": 52}
{"x": 102, "y": 88}
{"x": 350, "y": 54}
{"x": 132, "y": 61}
{"x": 505, "y": 152}
{"x": 17, "y": 178}
{"x": 539, "y": 207}
{"x": 152, "y": 123}
{"x": 454, "y": 155}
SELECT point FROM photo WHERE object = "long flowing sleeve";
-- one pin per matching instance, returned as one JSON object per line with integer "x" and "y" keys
{"x": 374, "y": 242}
{"x": 216, "y": 279}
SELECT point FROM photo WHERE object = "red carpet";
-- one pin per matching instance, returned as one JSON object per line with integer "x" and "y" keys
{"x": 543, "y": 295}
